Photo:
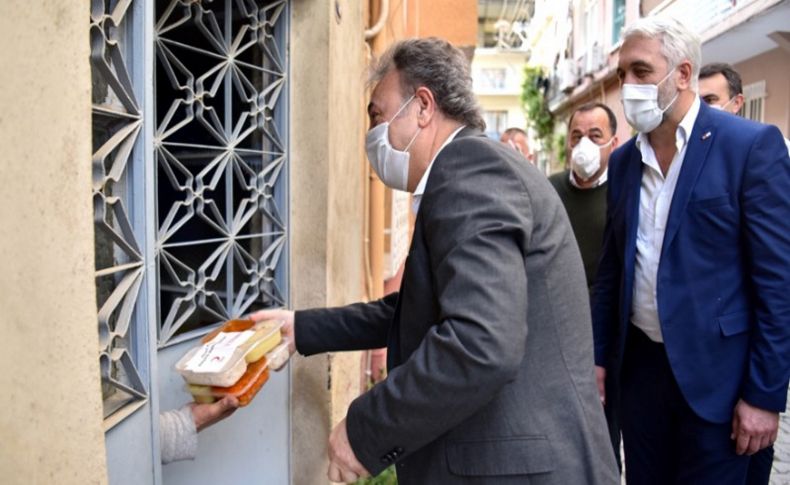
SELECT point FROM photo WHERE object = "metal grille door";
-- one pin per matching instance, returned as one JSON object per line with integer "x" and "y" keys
{"x": 190, "y": 203}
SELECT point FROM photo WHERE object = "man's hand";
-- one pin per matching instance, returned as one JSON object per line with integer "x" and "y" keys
{"x": 207, "y": 414}
{"x": 753, "y": 428}
{"x": 600, "y": 380}
{"x": 343, "y": 464}
{"x": 287, "y": 317}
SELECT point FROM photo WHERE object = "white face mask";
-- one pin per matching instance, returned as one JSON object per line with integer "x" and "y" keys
{"x": 586, "y": 157}
{"x": 640, "y": 103}
{"x": 391, "y": 165}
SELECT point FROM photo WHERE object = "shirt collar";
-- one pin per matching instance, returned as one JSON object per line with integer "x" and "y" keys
{"x": 424, "y": 180}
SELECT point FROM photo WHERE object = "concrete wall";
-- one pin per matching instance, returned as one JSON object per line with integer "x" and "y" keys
{"x": 773, "y": 67}
{"x": 327, "y": 129}
{"x": 51, "y": 420}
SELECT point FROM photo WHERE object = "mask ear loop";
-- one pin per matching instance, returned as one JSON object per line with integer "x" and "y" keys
{"x": 728, "y": 102}
{"x": 607, "y": 143}
{"x": 412, "y": 140}
{"x": 677, "y": 93}
{"x": 418, "y": 129}
{"x": 401, "y": 108}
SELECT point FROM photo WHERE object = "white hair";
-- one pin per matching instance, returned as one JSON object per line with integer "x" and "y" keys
{"x": 678, "y": 42}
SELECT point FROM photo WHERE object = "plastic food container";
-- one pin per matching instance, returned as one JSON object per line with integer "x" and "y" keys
{"x": 224, "y": 355}
{"x": 244, "y": 389}
{"x": 279, "y": 356}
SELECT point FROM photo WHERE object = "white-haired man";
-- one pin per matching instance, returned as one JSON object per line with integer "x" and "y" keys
{"x": 690, "y": 306}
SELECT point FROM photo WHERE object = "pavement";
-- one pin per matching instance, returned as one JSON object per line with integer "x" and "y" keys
{"x": 780, "y": 475}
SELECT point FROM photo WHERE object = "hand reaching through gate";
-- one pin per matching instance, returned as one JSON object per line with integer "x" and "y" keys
{"x": 178, "y": 428}
{"x": 207, "y": 414}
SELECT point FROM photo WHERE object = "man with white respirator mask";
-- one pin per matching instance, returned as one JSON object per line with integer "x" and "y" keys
{"x": 582, "y": 188}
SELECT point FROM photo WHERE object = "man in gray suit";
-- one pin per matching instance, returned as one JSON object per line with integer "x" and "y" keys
{"x": 489, "y": 338}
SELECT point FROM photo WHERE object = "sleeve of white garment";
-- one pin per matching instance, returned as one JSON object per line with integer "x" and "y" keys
{"x": 177, "y": 435}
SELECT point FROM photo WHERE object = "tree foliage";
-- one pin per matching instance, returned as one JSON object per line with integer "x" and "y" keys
{"x": 533, "y": 99}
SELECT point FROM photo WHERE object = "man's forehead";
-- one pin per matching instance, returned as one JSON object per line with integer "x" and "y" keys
{"x": 714, "y": 83}
{"x": 385, "y": 87}
{"x": 587, "y": 120}
{"x": 639, "y": 50}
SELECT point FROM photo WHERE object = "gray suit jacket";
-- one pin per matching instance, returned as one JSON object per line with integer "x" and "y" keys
{"x": 490, "y": 355}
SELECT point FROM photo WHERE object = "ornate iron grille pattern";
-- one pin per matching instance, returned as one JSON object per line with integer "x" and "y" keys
{"x": 116, "y": 123}
{"x": 219, "y": 170}
{"x": 220, "y": 75}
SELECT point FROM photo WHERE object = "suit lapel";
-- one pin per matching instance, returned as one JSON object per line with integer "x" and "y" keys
{"x": 699, "y": 144}
{"x": 633, "y": 184}
{"x": 394, "y": 336}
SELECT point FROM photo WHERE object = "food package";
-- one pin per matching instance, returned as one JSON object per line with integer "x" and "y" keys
{"x": 279, "y": 356}
{"x": 244, "y": 389}
{"x": 226, "y": 353}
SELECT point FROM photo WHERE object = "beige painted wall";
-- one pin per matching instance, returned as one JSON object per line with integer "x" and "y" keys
{"x": 51, "y": 420}
{"x": 327, "y": 130}
{"x": 773, "y": 67}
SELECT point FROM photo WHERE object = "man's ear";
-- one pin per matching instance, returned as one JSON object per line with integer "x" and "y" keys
{"x": 615, "y": 142}
{"x": 427, "y": 105}
{"x": 737, "y": 103}
{"x": 684, "y": 77}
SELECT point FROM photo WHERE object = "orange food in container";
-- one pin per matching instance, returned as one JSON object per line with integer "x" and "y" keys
{"x": 230, "y": 361}
{"x": 244, "y": 389}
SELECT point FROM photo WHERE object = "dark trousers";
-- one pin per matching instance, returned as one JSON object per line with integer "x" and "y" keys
{"x": 612, "y": 415}
{"x": 665, "y": 441}
{"x": 760, "y": 467}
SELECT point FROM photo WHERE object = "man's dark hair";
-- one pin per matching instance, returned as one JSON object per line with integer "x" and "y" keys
{"x": 591, "y": 106}
{"x": 514, "y": 130}
{"x": 442, "y": 68}
{"x": 734, "y": 83}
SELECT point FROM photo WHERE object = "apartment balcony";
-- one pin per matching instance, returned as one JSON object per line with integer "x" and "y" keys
{"x": 733, "y": 31}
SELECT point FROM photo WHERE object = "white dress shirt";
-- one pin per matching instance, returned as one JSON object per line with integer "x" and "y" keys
{"x": 417, "y": 196}
{"x": 655, "y": 200}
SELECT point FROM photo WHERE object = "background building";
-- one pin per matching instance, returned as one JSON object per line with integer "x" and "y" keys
{"x": 498, "y": 76}
{"x": 751, "y": 34}
{"x": 498, "y": 68}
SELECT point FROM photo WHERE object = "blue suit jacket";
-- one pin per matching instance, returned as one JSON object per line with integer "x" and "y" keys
{"x": 723, "y": 283}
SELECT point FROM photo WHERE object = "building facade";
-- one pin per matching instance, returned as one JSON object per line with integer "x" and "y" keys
{"x": 752, "y": 35}
{"x": 498, "y": 76}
